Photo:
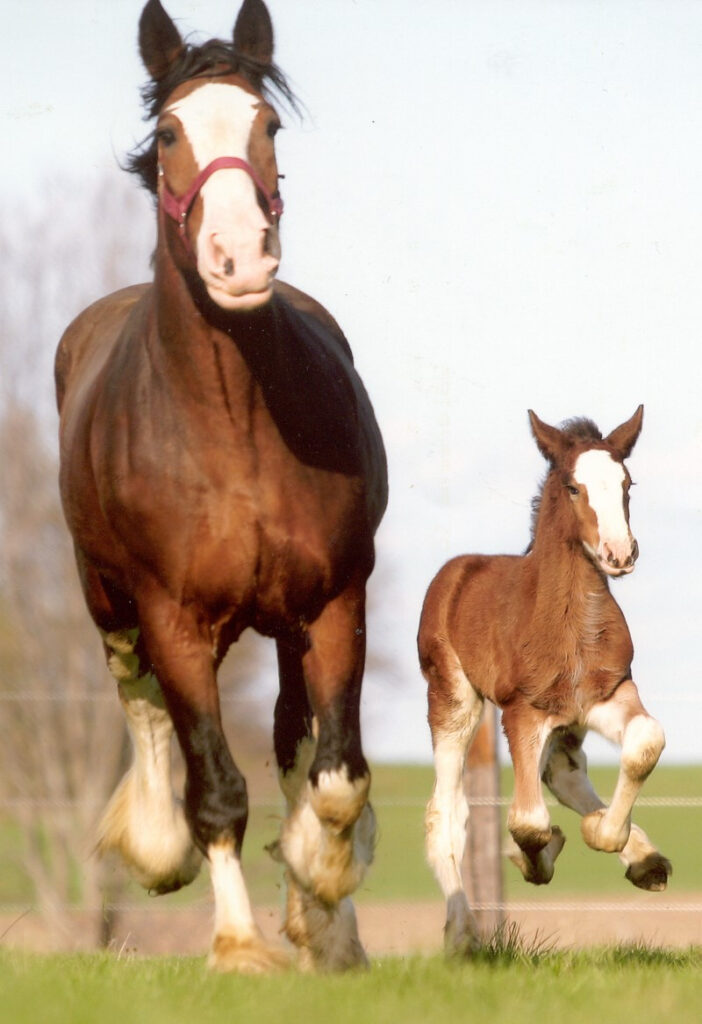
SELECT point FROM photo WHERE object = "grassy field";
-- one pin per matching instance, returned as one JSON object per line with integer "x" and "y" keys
{"x": 610, "y": 986}
{"x": 400, "y": 872}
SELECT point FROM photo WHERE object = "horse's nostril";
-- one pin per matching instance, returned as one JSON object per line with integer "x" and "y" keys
{"x": 228, "y": 266}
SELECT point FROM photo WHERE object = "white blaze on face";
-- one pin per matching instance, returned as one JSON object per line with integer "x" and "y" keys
{"x": 236, "y": 258}
{"x": 604, "y": 479}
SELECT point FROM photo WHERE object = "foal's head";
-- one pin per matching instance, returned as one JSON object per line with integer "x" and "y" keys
{"x": 589, "y": 470}
{"x": 212, "y": 159}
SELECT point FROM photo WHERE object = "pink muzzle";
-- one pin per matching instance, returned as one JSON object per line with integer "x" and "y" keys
{"x": 178, "y": 207}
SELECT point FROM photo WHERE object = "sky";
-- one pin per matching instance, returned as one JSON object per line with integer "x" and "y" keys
{"x": 500, "y": 202}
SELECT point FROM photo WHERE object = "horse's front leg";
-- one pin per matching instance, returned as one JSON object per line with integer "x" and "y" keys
{"x": 566, "y": 776}
{"x": 327, "y": 840}
{"x": 623, "y": 720}
{"x": 216, "y": 803}
{"x": 537, "y": 842}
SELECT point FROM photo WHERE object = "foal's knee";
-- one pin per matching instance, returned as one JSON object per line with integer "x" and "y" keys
{"x": 644, "y": 741}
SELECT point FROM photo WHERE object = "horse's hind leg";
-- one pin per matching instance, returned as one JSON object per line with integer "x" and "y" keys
{"x": 454, "y": 715}
{"x": 144, "y": 821}
{"x": 327, "y": 840}
{"x": 565, "y": 775}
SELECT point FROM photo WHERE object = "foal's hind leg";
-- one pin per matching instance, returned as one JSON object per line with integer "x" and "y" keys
{"x": 454, "y": 715}
{"x": 624, "y": 720}
{"x": 565, "y": 775}
{"x": 327, "y": 840}
{"x": 144, "y": 821}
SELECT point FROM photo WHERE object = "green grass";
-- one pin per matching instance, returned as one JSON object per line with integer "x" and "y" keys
{"x": 612, "y": 985}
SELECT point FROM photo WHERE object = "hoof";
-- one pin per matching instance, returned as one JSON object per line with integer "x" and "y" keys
{"x": 537, "y": 868}
{"x": 651, "y": 874}
{"x": 461, "y": 936}
{"x": 326, "y": 936}
{"x": 598, "y": 837}
{"x": 253, "y": 956}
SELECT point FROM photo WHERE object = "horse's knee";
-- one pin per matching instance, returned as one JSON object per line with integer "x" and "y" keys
{"x": 644, "y": 741}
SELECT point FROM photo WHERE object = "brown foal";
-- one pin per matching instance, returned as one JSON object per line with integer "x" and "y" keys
{"x": 541, "y": 636}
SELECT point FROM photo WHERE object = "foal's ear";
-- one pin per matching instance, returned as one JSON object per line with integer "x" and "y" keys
{"x": 159, "y": 40}
{"x": 549, "y": 439}
{"x": 624, "y": 437}
{"x": 253, "y": 32}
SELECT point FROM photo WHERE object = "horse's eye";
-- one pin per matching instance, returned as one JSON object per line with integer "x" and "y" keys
{"x": 572, "y": 489}
{"x": 166, "y": 136}
{"x": 272, "y": 129}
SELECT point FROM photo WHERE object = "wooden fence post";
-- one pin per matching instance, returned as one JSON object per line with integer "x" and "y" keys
{"x": 482, "y": 861}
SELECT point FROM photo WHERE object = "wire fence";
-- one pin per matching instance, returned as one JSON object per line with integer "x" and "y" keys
{"x": 689, "y": 904}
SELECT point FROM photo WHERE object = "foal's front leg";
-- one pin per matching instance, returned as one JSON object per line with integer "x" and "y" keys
{"x": 538, "y": 843}
{"x": 327, "y": 841}
{"x": 566, "y": 776}
{"x": 624, "y": 720}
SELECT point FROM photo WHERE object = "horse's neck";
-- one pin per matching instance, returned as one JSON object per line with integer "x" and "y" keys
{"x": 570, "y": 588}
{"x": 277, "y": 358}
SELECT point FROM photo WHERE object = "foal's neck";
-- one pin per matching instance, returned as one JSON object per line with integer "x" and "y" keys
{"x": 569, "y": 582}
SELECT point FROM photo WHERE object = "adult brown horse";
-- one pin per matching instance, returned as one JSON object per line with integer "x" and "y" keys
{"x": 542, "y": 637}
{"x": 221, "y": 468}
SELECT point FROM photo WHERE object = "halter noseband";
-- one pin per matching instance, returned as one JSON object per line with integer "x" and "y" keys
{"x": 178, "y": 207}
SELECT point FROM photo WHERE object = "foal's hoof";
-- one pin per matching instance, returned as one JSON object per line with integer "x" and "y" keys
{"x": 461, "y": 935}
{"x": 651, "y": 873}
{"x": 537, "y": 867}
{"x": 254, "y": 956}
{"x": 599, "y": 836}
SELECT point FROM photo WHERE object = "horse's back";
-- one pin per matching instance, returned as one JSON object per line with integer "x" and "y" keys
{"x": 87, "y": 342}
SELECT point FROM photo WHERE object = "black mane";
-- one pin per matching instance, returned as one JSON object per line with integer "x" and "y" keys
{"x": 209, "y": 60}
{"x": 581, "y": 429}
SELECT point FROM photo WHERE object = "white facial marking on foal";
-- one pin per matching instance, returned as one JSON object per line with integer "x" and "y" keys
{"x": 604, "y": 478}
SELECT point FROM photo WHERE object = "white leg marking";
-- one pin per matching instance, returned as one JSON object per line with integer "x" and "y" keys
{"x": 447, "y": 815}
{"x": 237, "y": 944}
{"x": 144, "y": 821}
{"x": 326, "y": 860}
{"x": 642, "y": 740}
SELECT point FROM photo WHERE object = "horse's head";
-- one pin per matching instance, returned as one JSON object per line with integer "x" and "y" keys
{"x": 212, "y": 161}
{"x": 591, "y": 471}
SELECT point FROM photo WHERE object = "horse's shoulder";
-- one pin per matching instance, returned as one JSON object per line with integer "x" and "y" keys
{"x": 89, "y": 338}
{"x": 305, "y": 304}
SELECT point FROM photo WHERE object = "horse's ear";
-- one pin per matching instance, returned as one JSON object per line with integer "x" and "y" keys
{"x": 549, "y": 439}
{"x": 159, "y": 40}
{"x": 253, "y": 32}
{"x": 624, "y": 437}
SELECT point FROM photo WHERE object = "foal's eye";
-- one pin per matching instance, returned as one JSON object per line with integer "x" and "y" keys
{"x": 272, "y": 129}
{"x": 166, "y": 136}
{"x": 572, "y": 489}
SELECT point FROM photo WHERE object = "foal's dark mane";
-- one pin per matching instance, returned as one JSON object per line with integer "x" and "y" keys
{"x": 577, "y": 429}
{"x": 208, "y": 60}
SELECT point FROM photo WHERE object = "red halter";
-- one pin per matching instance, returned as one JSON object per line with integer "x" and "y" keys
{"x": 178, "y": 207}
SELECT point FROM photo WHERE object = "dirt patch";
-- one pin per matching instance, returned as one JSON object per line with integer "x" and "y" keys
{"x": 398, "y": 929}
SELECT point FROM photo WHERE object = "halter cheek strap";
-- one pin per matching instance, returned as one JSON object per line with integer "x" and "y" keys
{"x": 178, "y": 207}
